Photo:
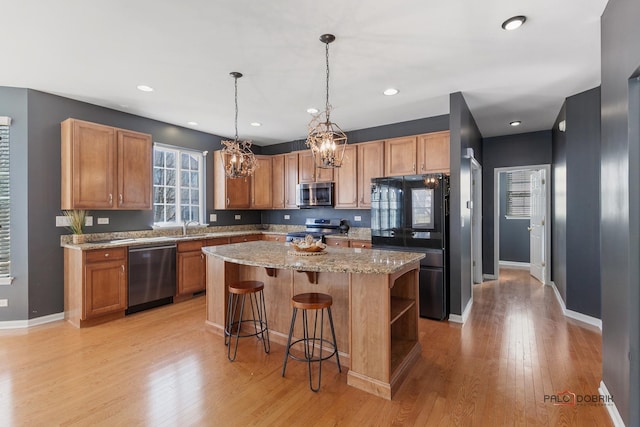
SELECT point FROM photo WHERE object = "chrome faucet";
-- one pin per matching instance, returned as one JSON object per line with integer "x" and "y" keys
{"x": 185, "y": 225}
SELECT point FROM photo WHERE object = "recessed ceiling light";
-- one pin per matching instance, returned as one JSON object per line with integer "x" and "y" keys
{"x": 192, "y": 123}
{"x": 312, "y": 110}
{"x": 515, "y": 123}
{"x": 256, "y": 124}
{"x": 513, "y": 22}
{"x": 145, "y": 88}
{"x": 391, "y": 91}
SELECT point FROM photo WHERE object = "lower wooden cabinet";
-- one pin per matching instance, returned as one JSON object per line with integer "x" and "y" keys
{"x": 95, "y": 285}
{"x": 247, "y": 238}
{"x": 191, "y": 265}
{"x": 364, "y": 244}
{"x": 337, "y": 242}
{"x": 274, "y": 237}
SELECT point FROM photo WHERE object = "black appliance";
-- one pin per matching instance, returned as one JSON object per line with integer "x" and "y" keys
{"x": 410, "y": 213}
{"x": 317, "y": 227}
{"x": 152, "y": 276}
{"x": 310, "y": 194}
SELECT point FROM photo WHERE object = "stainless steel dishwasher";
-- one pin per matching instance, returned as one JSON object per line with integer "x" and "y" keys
{"x": 152, "y": 276}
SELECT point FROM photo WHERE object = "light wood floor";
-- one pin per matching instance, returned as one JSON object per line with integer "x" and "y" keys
{"x": 162, "y": 368}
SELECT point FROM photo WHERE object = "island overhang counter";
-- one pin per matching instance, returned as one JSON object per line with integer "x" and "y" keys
{"x": 375, "y": 297}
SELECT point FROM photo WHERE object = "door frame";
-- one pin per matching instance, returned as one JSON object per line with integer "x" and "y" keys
{"x": 496, "y": 217}
{"x": 476, "y": 231}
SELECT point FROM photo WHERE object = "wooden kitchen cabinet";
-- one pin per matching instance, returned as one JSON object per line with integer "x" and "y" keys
{"x": 191, "y": 267}
{"x": 337, "y": 242}
{"x": 277, "y": 181}
{"x": 274, "y": 237}
{"x": 308, "y": 172}
{"x": 229, "y": 193}
{"x": 400, "y": 156}
{"x": 245, "y": 238}
{"x": 433, "y": 152}
{"x": 290, "y": 180}
{"x": 362, "y": 244}
{"x": 346, "y": 194}
{"x": 370, "y": 165}
{"x": 104, "y": 167}
{"x": 95, "y": 285}
{"x": 261, "y": 185}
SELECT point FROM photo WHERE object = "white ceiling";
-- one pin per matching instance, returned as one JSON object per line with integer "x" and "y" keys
{"x": 99, "y": 51}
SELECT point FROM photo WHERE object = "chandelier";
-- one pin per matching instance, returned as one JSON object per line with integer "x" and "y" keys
{"x": 237, "y": 158}
{"x": 326, "y": 140}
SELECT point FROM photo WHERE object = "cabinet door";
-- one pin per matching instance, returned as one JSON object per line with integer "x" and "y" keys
{"x": 370, "y": 165}
{"x": 238, "y": 193}
{"x": 261, "y": 184}
{"x": 88, "y": 165}
{"x": 324, "y": 175}
{"x": 433, "y": 152}
{"x": 305, "y": 166}
{"x": 191, "y": 272}
{"x": 346, "y": 180}
{"x": 105, "y": 288}
{"x": 134, "y": 170}
{"x": 400, "y": 156}
{"x": 277, "y": 182}
{"x": 290, "y": 180}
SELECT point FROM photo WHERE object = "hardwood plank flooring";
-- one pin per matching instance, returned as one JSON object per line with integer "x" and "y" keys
{"x": 162, "y": 368}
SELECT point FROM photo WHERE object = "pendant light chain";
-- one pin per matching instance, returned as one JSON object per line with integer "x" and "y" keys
{"x": 327, "y": 107}
{"x": 236, "y": 99}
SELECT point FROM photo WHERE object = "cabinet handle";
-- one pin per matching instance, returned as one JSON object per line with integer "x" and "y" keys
{"x": 201, "y": 257}
{"x": 110, "y": 198}
{"x": 122, "y": 267}
{"x": 227, "y": 201}
{"x": 414, "y": 166}
{"x": 106, "y": 255}
{"x": 120, "y": 199}
{"x": 422, "y": 167}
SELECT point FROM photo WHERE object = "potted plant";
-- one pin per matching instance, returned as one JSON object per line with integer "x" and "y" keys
{"x": 76, "y": 220}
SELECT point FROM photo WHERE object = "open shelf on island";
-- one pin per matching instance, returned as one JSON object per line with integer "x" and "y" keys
{"x": 399, "y": 306}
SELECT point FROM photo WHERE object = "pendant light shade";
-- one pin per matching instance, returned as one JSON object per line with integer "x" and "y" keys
{"x": 237, "y": 158}
{"x": 326, "y": 140}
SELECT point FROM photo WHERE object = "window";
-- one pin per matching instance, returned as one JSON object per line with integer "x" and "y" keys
{"x": 178, "y": 177}
{"x": 5, "y": 237}
{"x": 518, "y": 194}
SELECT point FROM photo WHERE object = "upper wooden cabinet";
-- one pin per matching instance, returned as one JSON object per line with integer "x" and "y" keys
{"x": 370, "y": 165}
{"x": 104, "y": 167}
{"x": 433, "y": 152}
{"x": 229, "y": 193}
{"x": 307, "y": 172}
{"x": 346, "y": 194}
{"x": 290, "y": 180}
{"x": 400, "y": 156}
{"x": 261, "y": 185}
{"x": 277, "y": 181}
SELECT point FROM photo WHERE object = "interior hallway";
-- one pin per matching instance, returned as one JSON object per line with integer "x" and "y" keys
{"x": 162, "y": 368}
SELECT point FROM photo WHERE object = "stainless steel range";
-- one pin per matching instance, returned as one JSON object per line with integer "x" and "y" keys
{"x": 317, "y": 227}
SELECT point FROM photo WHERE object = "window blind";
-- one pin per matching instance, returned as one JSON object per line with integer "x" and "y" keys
{"x": 5, "y": 237}
{"x": 519, "y": 193}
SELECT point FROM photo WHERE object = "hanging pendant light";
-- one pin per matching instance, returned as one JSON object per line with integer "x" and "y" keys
{"x": 326, "y": 140}
{"x": 237, "y": 158}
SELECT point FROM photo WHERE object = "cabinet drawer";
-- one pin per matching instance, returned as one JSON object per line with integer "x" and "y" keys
{"x": 192, "y": 245}
{"x": 274, "y": 237}
{"x": 366, "y": 244}
{"x": 217, "y": 241}
{"x": 337, "y": 243}
{"x": 99, "y": 255}
{"x": 248, "y": 238}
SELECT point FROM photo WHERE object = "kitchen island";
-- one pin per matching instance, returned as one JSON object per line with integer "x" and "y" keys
{"x": 375, "y": 297}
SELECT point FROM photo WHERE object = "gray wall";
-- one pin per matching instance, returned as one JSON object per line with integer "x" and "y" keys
{"x": 620, "y": 206}
{"x": 559, "y": 207}
{"x": 13, "y": 103}
{"x": 464, "y": 134}
{"x": 533, "y": 148}
{"x": 514, "y": 235}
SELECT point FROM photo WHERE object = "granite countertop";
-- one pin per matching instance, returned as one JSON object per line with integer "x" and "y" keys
{"x": 336, "y": 260}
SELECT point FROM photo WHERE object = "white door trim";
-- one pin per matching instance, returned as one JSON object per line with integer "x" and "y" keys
{"x": 476, "y": 231}
{"x": 496, "y": 217}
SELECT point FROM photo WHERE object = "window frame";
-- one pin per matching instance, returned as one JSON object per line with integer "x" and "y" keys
{"x": 512, "y": 210}
{"x": 5, "y": 201}
{"x": 179, "y": 151}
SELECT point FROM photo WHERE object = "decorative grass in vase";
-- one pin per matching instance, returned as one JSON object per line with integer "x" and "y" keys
{"x": 76, "y": 220}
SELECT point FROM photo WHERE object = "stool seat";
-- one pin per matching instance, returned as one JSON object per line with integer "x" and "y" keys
{"x": 311, "y": 301}
{"x": 246, "y": 287}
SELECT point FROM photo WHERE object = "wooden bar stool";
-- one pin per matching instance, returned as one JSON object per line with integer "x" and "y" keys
{"x": 237, "y": 294}
{"x": 317, "y": 302}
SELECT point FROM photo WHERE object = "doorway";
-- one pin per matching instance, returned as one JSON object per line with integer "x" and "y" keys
{"x": 537, "y": 235}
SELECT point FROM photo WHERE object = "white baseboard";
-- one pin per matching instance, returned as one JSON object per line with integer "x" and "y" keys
{"x": 17, "y": 324}
{"x": 465, "y": 314}
{"x": 589, "y": 320}
{"x": 611, "y": 409}
{"x": 516, "y": 265}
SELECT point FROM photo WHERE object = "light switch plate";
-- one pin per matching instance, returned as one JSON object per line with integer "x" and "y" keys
{"x": 286, "y": 216}
{"x": 213, "y": 217}
{"x": 357, "y": 218}
{"x": 237, "y": 216}
{"x": 103, "y": 221}
{"x": 62, "y": 221}
{"x": 4, "y": 302}
{"x": 88, "y": 221}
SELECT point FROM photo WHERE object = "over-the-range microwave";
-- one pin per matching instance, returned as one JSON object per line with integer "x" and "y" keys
{"x": 310, "y": 194}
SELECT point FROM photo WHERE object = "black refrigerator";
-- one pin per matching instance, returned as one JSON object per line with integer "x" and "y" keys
{"x": 410, "y": 213}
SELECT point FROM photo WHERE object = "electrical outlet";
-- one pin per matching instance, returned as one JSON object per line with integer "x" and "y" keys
{"x": 88, "y": 221}
{"x": 287, "y": 216}
{"x": 213, "y": 217}
{"x": 4, "y": 302}
{"x": 103, "y": 221}
{"x": 357, "y": 218}
{"x": 237, "y": 216}
{"x": 62, "y": 221}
